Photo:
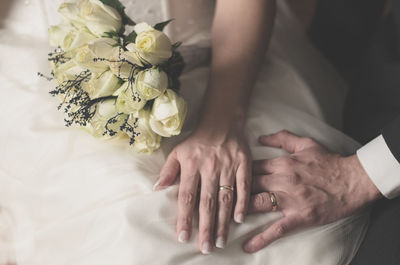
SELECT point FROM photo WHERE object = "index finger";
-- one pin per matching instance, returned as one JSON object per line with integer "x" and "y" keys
{"x": 274, "y": 232}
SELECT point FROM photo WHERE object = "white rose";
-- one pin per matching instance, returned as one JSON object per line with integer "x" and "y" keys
{"x": 129, "y": 100}
{"x": 151, "y": 83}
{"x": 101, "y": 85}
{"x": 96, "y": 16}
{"x": 142, "y": 27}
{"x": 67, "y": 71}
{"x": 105, "y": 111}
{"x": 122, "y": 63}
{"x": 100, "y": 48}
{"x": 58, "y": 33}
{"x": 146, "y": 141}
{"x": 77, "y": 38}
{"x": 153, "y": 46}
{"x": 168, "y": 114}
{"x": 70, "y": 12}
{"x": 132, "y": 55}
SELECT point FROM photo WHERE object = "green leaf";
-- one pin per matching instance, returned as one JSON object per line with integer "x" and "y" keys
{"x": 110, "y": 34}
{"x": 174, "y": 84}
{"x": 131, "y": 38}
{"x": 127, "y": 20}
{"x": 162, "y": 25}
{"x": 176, "y": 45}
{"x": 121, "y": 10}
{"x": 174, "y": 67}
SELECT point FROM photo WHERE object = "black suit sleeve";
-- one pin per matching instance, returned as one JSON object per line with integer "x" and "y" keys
{"x": 391, "y": 134}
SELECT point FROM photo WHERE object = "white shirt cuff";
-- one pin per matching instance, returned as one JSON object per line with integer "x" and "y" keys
{"x": 381, "y": 166}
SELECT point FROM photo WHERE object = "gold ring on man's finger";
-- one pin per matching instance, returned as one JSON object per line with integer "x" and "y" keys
{"x": 274, "y": 202}
{"x": 226, "y": 187}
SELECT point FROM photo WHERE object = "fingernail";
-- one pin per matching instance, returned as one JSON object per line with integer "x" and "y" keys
{"x": 206, "y": 249}
{"x": 239, "y": 218}
{"x": 183, "y": 236}
{"x": 220, "y": 243}
{"x": 157, "y": 185}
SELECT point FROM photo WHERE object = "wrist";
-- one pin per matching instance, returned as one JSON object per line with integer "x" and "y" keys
{"x": 362, "y": 186}
{"x": 222, "y": 124}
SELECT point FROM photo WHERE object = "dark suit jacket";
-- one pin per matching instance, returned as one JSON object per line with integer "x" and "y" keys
{"x": 365, "y": 49}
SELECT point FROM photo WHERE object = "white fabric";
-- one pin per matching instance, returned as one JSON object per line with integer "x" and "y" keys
{"x": 67, "y": 198}
{"x": 381, "y": 166}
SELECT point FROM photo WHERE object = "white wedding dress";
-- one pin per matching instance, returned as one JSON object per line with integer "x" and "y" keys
{"x": 68, "y": 198}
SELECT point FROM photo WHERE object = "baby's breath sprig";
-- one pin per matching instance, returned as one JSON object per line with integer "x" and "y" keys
{"x": 76, "y": 102}
{"x": 129, "y": 129}
{"x": 113, "y": 120}
{"x": 125, "y": 126}
{"x": 58, "y": 56}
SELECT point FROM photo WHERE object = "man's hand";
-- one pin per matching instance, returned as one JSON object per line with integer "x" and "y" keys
{"x": 312, "y": 187}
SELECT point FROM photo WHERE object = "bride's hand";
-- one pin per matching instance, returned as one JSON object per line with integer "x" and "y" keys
{"x": 205, "y": 164}
{"x": 217, "y": 154}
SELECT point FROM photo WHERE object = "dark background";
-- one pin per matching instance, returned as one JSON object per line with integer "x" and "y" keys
{"x": 361, "y": 38}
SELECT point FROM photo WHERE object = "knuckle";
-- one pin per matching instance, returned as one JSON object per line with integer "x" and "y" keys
{"x": 186, "y": 221}
{"x": 191, "y": 163}
{"x": 283, "y": 133}
{"x": 273, "y": 162}
{"x": 205, "y": 231}
{"x": 308, "y": 141}
{"x": 244, "y": 184}
{"x": 207, "y": 202}
{"x": 280, "y": 160}
{"x": 226, "y": 199}
{"x": 226, "y": 160}
{"x": 303, "y": 193}
{"x": 186, "y": 198}
{"x": 295, "y": 157}
{"x": 211, "y": 164}
{"x": 260, "y": 200}
{"x": 285, "y": 161}
{"x": 167, "y": 173}
{"x": 268, "y": 165}
{"x": 280, "y": 230}
{"x": 293, "y": 179}
{"x": 310, "y": 215}
{"x": 243, "y": 157}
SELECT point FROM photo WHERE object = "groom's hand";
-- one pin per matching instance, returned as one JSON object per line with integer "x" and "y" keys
{"x": 312, "y": 187}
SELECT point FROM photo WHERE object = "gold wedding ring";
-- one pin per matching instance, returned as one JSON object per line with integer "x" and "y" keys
{"x": 225, "y": 187}
{"x": 273, "y": 201}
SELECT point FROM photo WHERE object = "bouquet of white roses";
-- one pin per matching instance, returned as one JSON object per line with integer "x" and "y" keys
{"x": 115, "y": 84}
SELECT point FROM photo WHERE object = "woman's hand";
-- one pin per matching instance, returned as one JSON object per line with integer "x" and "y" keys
{"x": 205, "y": 163}
{"x": 217, "y": 153}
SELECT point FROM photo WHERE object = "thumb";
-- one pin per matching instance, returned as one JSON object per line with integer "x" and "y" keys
{"x": 168, "y": 173}
{"x": 287, "y": 140}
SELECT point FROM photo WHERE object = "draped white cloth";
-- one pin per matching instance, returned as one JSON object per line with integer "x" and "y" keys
{"x": 67, "y": 198}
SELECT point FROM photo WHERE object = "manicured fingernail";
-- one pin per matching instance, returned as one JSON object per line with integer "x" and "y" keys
{"x": 220, "y": 243}
{"x": 206, "y": 249}
{"x": 157, "y": 186}
{"x": 239, "y": 218}
{"x": 183, "y": 236}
